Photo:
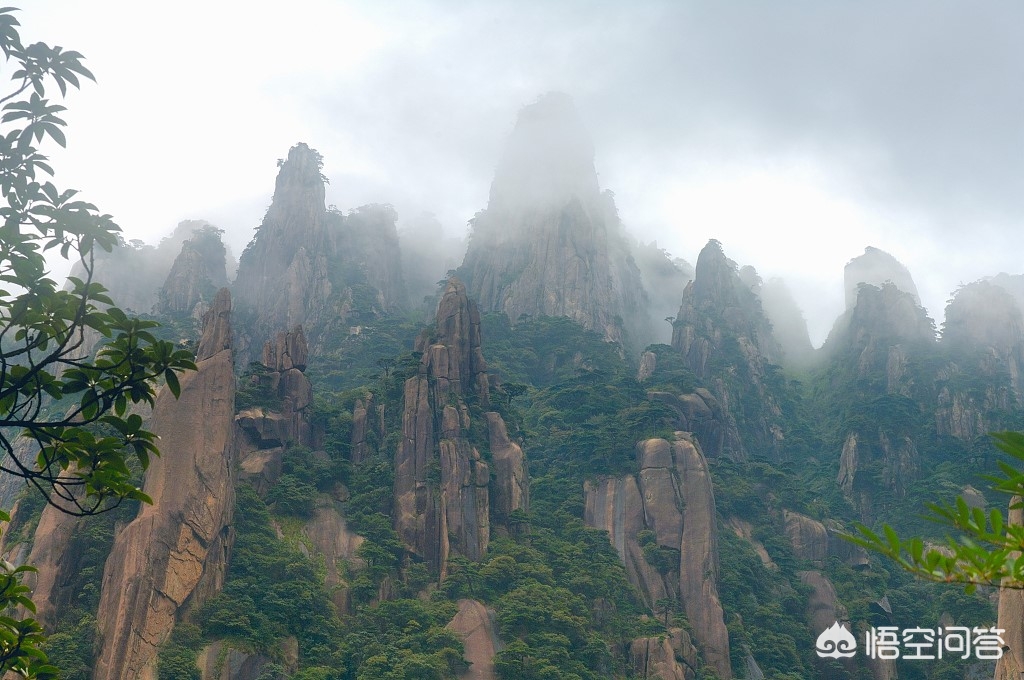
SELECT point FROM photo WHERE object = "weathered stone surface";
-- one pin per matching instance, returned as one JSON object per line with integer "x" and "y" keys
{"x": 698, "y": 568}
{"x": 550, "y": 242}
{"x": 442, "y": 486}
{"x": 511, "y": 488}
{"x": 745, "y": 530}
{"x": 199, "y": 270}
{"x": 672, "y": 496}
{"x": 648, "y": 362}
{"x": 1011, "y": 619}
{"x": 331, "y": 538}
{"x": 220, "y": 661}
{"x": 173, "y": 554}
{"x": 56, "y": 557}
{"x": 808, "y": 537}
{"x": 476, "y": 626}
{"x": 286, "y": 351}
{"x": 671, "y": 657}
{"x": 701, "y": 414}
{"x": 298, "y": 268}
{"x": 458, "y": 330}
{"x": 367, "y": 418}
{"x": 816, "y": 541}
{"x": 823, "y": 607}
{"x": 720, "y": 314}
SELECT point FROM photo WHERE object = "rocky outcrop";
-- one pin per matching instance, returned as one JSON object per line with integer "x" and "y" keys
{"x": 367, "y": 428}
{"x": 881, "y": 319}
{"x": 671, "y": 657}
{"x": 726, "y": 340}
{"x": 313, "y": 267}
{"x": 703, "y": 416}
{"x": 983, "y": 335}
{"x": 220, "y": 661}
{"x": 816, "y": 541}
{"x": 197, "y": 273}
{"x": 877, "y": 268}
{"x": 510, "y": 490}
{"x": 332, "y": 540}
{"x": 476, "y": 626}
{"x": 442, "y": 484}
{"x": 1011, "y": 617}
{"x": 173, "y": 555}
{"x": 672, "y": 498}
{"x": 893, "y": 460}
{"x": 265, "y": 431}
{"x": 550, "y": 242}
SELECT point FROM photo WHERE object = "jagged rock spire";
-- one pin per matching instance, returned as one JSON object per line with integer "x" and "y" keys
{"x": 173, "y": 555}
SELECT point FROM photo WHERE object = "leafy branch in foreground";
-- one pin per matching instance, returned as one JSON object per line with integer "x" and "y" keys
{"x": 987, "y": 548}
{"x": 71, "y": 363}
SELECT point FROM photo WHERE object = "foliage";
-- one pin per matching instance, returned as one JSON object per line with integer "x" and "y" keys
{"x": 987, "y": 547}
{"x": 271, "y": 591}
{"x": 51, "y": 391}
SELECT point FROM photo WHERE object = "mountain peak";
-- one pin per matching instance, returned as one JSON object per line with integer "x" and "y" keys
{"x": 876, "y": 267}
{"x": 550, "y": 243}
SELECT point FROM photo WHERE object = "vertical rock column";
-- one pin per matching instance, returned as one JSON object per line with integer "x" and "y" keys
{"x": 671, "y": 495}
{"x": 442, "y": 485}
{"x": 174, "y": 553}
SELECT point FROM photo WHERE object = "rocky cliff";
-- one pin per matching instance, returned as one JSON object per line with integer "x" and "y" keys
{"x": 550, "y": 242}
{"x": 668, "y": 504}
{"x": 198, "y": 272}
{"x": 173, "y": 555}
{"x": 443, "y": 485}
{"x": 475, "y": 625}
{"x": 876, "y": 268}
{"x": 313, "y": 267}
{"x": 726, "y": 340}
{"x": 283, "y": 418}
{"x": 983, "y": 343}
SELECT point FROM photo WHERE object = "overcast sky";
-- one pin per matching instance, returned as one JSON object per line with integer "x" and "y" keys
{"x": 796, "y": 133}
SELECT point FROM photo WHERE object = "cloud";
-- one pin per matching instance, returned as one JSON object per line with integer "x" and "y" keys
{"x": 801, "y": 131}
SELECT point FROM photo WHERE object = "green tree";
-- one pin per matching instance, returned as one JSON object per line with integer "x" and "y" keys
{"x": 985, "y": 549}
{"x": 69, "y": 402}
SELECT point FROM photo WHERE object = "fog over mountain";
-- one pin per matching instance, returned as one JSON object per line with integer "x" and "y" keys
{"x": 796, "y": 134}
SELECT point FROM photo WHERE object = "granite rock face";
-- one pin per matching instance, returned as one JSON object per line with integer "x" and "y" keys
{"x": 197, "y": 273}
{"x": 671, "y": 657}
{"x": 442, "y": 485}
{"x": 671, "y": 496}
{"x": 173, "y": 555}
{"x": 727, "y": 341}
{"x": 264, "y": 431}
{"x": 314, "y": 267}
{"x": 475, "y": 624}
{"x": 550, "y": 241}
